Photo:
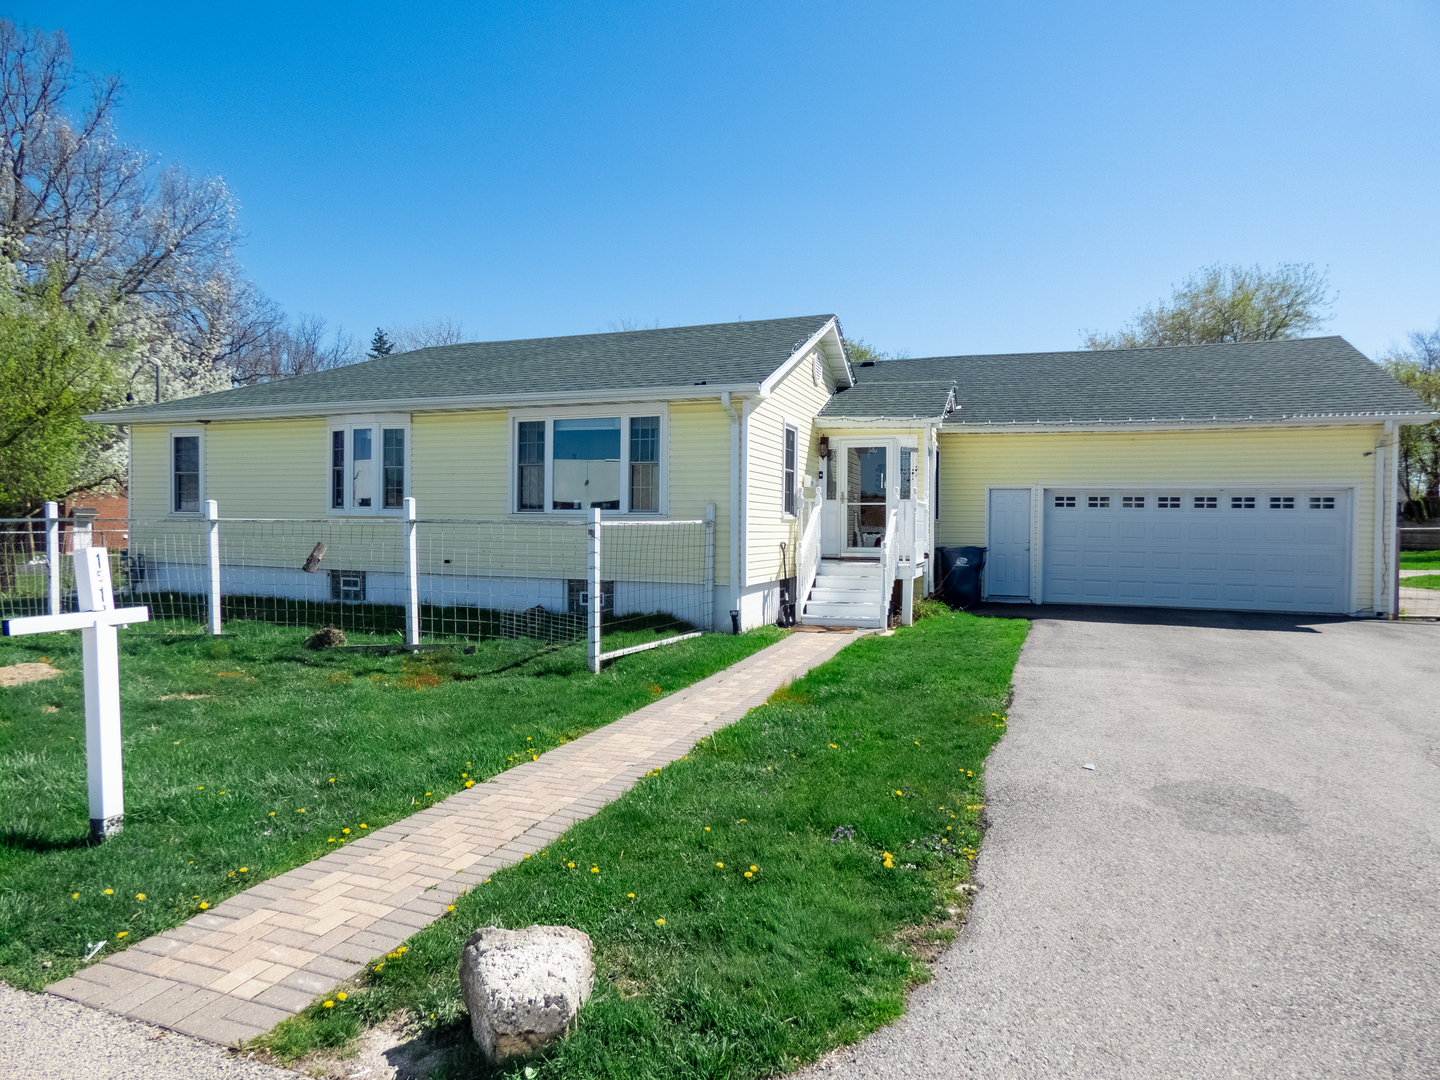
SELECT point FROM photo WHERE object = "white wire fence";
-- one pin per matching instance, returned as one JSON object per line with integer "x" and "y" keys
{"x": 406, "y": 582}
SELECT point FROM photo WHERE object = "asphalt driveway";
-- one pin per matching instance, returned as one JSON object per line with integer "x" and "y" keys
{"x": 1246, "y": 885}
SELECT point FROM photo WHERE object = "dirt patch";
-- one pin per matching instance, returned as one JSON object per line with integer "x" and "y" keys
{"x": 20, "y": 674}
{"x": 386, "y": 1052}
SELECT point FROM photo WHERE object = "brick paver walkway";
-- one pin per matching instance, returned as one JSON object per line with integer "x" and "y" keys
{"x": 239, "y": 969}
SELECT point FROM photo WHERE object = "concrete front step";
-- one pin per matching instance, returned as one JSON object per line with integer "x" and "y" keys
{"x": 831, "y": 609}
{"x": 827, "y": 620}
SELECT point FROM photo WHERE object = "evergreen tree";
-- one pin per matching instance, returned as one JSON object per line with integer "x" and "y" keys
{"x": 380, "y": 345}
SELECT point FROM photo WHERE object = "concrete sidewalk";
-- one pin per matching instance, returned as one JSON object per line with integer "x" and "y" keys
{"x": 1246, "y": 885}
{"x": 237, "y": 970}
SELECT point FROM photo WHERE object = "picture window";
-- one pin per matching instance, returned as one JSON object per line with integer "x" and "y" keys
{"x": 578, "y": 464}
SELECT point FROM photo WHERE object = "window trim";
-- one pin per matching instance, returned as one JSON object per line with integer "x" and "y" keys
{"x": 377, "y": 423}
{"x": 171, "y": 435}
{"x": 626, "y": 413}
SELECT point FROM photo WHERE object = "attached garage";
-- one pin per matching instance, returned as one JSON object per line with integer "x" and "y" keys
{"x": 1235, "y": 547}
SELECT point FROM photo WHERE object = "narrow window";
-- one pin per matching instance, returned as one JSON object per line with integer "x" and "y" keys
{"x": 187, "y": 474}
{"x": 1132, "y": 502}
{"x": 531, "y": 482}
{"x": 645, "y": 463}
{"x": 1322, "y": 502}
{"x": 1207, "y": 502}
{"x": 1065, "y": 502}
{"x": 394, "y": 448}
{"x": 587, "y": 464}
{"x": 1099, "y": 502}
{"x": 1242, "y": 502}
{"x": 337, "y": 470}
{"x": 362, "y": 478}
{"x": 787, "y": 478}
{"x": 1168, "y": 502}
{"x": 907, "y": 465}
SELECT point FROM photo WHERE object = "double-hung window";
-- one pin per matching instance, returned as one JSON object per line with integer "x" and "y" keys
{"x": 185, "y": 472}
{"x": 787, "y": 470}
{"x": 575, "y": 464}
{"x": 368, "y": 464}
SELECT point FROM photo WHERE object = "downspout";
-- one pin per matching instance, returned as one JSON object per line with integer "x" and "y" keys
{"x": 1378, "y": 584}
{"x": 734, "y": 506}
{"x": 1392, "y": 522}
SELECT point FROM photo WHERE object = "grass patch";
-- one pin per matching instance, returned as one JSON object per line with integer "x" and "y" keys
{"x": 249, "y": 755}
{"x": 1420, "y": 560}
{"x": 851, "y": 799}
{"x": 1427, "y": 581}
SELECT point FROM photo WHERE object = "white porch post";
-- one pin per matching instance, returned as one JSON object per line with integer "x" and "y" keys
{"x": 596, "y": 590}
{"x": 212, "y": 523}
{"x": 412, "y": 578}
{"x": 907, "y": 585}
{"x": 52, "y": 554}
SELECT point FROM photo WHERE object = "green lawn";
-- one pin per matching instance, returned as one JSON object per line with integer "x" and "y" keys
{"x": 245, "y": 756}
{"x": 701, "y": 970}
{"x": 1426, "y": 581}
{"x": 1420, "y": 560}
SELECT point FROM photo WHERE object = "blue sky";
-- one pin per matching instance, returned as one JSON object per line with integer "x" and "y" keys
{"x": 949, "y": 178}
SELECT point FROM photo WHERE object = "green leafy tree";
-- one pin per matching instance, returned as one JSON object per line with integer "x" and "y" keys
{"x": 380, "y": 345}
{"x": 861, "y": 351}
{"x": 56, "y": 365}
{"x": 1418, "y": 367}
{"x": 1229, "y": 303}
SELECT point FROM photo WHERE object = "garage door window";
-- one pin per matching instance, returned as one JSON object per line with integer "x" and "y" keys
{"x": 1207, "y": 502}
{"x": 1099, "y": 502}
{"x": 1282, "y": 502}
{"x": 1065, "y": 502}
{"x": 1322, "y": 502}
{"x": 1168, "y": 502}
{"x": 1132, "y": 502}
{"x": 1242, "y": 502}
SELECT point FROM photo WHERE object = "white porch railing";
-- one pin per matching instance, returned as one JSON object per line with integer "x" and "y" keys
{"x": 808, "y": 564}
{"x": 889, "y": 563}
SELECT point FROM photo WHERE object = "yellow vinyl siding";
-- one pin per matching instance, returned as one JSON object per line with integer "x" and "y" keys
{"x": 149, "y": 471}
{"x": 267, "y": 468}
{"x": 460, "y": 464}
{"x": 969, "y": 463}
{"x": 796, "y": 400}
{"x": 699, "y": 471}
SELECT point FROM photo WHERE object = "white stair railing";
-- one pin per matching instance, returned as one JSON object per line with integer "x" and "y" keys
{"x": 889, "y": 558}
{"x": 808, "y": 565}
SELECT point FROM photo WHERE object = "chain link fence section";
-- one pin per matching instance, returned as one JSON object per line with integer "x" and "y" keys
{"x": 396, "y": 582}
{"x": 1418, "y": 602}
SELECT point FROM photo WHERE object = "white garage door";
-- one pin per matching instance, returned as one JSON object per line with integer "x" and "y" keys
{"x": 1246, "y": 548}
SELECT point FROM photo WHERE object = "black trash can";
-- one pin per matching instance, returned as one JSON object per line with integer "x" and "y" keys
{"x": 959, "y": 584}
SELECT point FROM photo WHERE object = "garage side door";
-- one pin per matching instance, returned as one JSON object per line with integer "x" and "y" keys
{"x": 1237, "y": 548}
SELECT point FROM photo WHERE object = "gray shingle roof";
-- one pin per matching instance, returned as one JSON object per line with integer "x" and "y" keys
{"x": 721, "y": 354}
{"x": 1262, "y": 380}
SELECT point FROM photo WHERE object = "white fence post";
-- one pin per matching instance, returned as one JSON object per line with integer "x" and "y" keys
{"x": 597, "y": 592}
{"x": 412, "y": 602}
{"x": 212, "y": 523}
{"x": 709, "y": 578}
{"x": 52, "y": 553}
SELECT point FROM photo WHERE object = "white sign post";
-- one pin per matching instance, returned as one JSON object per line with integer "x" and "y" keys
{"x": 97, "y": 622}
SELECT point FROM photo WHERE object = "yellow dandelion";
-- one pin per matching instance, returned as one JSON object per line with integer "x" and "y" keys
{"x": 272, "y": 813}
{"x": 571, "y": 865}
{"x": 427, "y": 793}
{"x": 707, "y": 828}
{"x": 754, "y": 868}
{"x": 301, "y": 810}
{"x": 200, "y": 787}
{"x": 139, "y": 896}
{"x": 898, "y": 792}
{"x": 74, "y": 896}
{"x": 721, "y": 865}
{"x": 450, "y": 908}
{"x": 328, "y": 1004}
{"x": 749, "y": 874}
{"x": 330, "y": 841}
{"x": 463, "y": 775}
{"x": 332, "y": 779}
{"x": 834, "y": 747}
{"x": 630, "y": 896}
{"x": 659, "y": 922}
{"x": 594, "y": 869}
{"x": 122, "y": 933}
{"x": 342, "y": 995}
{"x": 363, "y": 825}
{"x": 468, "y": 783}
{"x": 204, "y": 904}
{"x": 109, "y": 892}
{"x": 345, "y": 831}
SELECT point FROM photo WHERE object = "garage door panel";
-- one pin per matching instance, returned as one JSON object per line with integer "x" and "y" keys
{"x": 1227, "y": 548}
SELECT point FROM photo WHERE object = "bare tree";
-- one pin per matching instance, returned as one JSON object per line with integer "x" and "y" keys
{"x": 295, "y": 347}
{"x": 426, "y": 334}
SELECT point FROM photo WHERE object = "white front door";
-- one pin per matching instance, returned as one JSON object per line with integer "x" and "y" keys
{"x": 867, "y": 474}
{"x": 1007, "y": 563}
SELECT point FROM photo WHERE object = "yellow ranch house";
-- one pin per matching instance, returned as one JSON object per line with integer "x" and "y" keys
{"x": 1247, "y": 476}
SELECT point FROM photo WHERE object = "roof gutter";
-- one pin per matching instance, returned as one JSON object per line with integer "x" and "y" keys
{"x": 694, "y": 391}
{"x": 1328, "y": 420}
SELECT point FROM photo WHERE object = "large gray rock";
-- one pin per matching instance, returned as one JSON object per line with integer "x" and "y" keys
{"x": 524, "y": 987}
